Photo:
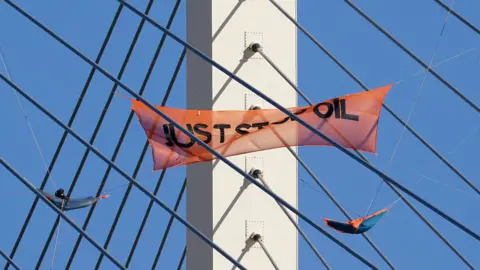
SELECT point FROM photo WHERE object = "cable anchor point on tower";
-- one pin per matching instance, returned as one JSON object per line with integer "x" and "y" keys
{"x": 255, "y": 47}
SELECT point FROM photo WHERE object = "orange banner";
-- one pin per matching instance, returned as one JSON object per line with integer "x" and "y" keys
{"x": 351, "y": 121}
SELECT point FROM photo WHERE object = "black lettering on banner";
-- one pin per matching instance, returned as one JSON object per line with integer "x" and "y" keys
{"x": 207, "y": 134}
{"x": 239, "y": 130}
{"x": 323, "y": 115}
{"x": 222, "y": 128}
{"x": 298, "y": 113}
{"x": 166, "y": 131}
{"x": 174, "y": 136}
{"x": 288, "y": 117}
{"x": 260, "y": 125}
{"x": 345, "y": 115}
{"x": 336, "y": 106}
{"x": 282, "y": 121}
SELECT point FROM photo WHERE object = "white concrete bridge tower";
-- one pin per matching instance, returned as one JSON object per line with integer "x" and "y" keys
{"x": 219, "y": 201}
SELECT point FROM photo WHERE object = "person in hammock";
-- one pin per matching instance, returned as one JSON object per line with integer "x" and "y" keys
{"x": 65, "y": 203}
{"x": 60, "y": 193}
{"x": 359, "y": 225}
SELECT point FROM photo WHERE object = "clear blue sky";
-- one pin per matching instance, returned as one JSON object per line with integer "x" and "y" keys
{"x": 55, "y": 77}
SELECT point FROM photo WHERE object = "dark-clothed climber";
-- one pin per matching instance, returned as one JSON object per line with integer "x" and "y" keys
{"x": 60, "y": 193}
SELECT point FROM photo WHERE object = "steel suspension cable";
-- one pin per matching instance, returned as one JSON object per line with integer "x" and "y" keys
{"x": 259, "y": 175}
{"x": 140, "y": 160}
{"x": 458, "y": 16}
{"x": 65, "y": 134}
{"x": 410, "y": 114}
{"x": 339, "y": 206}
{"x": 169, "y": 225}
{"x": 263, "y": 96}
{"x": 120, "y": 209}
{"x": 122, "y": 137}
{"x": 58, "y": 211}
{"x": 177, "y": 125}
{"x": 378, "y": 27}
{"x": 32, "y": 132}
{"x": 413, "y": 56}
{"x": 9, "y": 260}
{"x": 120, "y": 171}
{"x": 157, "y": 257}
{"x": 159, "y": 182}
{"x": 360, "y": 83}
{"x": 275, "y": 104}
{"x": 259, "y": 50}
{"x": 92, "y": 141}
{"x": 25, "y": 115}
{"x": 182, "y": 259}
{"x": 312, "y": 246}
{"x": 258, "y": 238}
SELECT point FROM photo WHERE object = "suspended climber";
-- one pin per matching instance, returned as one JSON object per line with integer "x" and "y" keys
{"x": 65, "y": 203}
{"x": 60, "y": 193}
{"x": 359, "y": 225}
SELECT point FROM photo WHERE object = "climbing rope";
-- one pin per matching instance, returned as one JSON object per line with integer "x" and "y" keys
{"x": 462, "y": 53}
{"x": 423, "y": 176}
{"x": 7, "y": 72}
{"x": 412, "y": 109}
{"x": 111, "y": 190}
{"x": 56, "y": 237}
